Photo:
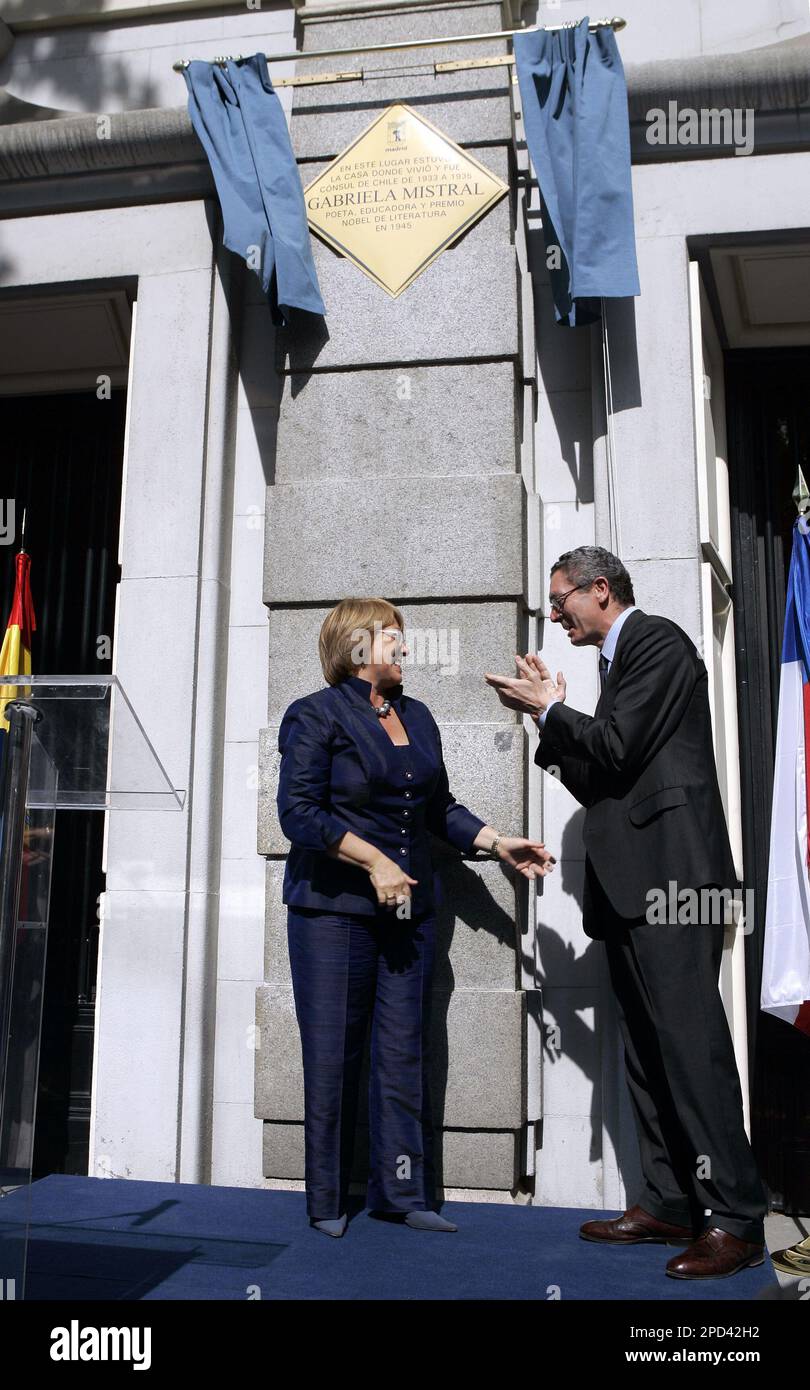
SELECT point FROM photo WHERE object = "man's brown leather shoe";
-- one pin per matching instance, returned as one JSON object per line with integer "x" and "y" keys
{"x": 714, "y": 1255}
{"x": 636, "y": 1227}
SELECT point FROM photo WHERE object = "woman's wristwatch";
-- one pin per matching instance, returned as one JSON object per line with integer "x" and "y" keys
{"x": 493, "y": 849}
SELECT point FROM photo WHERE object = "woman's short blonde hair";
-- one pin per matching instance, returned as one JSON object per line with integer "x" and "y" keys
{"x": 347, "y": 631}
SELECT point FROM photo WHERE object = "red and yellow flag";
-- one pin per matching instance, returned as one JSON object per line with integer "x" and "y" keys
{"x": 15, "y": 657}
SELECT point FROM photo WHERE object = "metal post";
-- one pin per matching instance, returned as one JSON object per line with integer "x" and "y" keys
{"x": 22, "y": 717}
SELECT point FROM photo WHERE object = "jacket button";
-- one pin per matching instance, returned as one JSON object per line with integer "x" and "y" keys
{"x": 403, "y": 850}
{"x": 405, "y": 815}
{"x": 409, "y": 775}
{"x": 403, "y": 830}
{"x": 407, "y": 793}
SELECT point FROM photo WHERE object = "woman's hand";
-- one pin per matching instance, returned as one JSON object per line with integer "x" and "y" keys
{"x": 391, "y": 884}
{"x": 529, "y": 857}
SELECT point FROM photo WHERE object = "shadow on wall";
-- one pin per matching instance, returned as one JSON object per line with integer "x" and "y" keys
{"x": 86, "y": 72}
{"x": 269, "y": 359}
{"x": 575, "y": 974}
{"x": 570, "y": 365}
{"x": 96, "y": 80}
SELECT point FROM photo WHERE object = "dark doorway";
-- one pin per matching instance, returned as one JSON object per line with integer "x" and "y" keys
{"x": 62, "y": 460}
{"x": 768, "y": 408}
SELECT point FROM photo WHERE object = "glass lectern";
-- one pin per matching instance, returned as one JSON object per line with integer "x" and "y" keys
{"x": 65, "y": 742}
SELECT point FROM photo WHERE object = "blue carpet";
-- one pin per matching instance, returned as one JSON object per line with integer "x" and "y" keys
{"x": 109, "y": 1238}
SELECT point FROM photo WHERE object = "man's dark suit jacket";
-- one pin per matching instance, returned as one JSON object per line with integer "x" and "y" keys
{"x": 644, "y": 768}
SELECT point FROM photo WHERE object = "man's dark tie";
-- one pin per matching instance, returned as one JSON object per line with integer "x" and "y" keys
{"x": 603, "y": 670}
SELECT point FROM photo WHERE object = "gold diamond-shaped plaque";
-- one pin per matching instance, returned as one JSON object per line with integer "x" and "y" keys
{"x": 398, "y": 196}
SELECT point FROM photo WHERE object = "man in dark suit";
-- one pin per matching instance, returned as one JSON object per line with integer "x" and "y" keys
{"x": 658, "y": 864}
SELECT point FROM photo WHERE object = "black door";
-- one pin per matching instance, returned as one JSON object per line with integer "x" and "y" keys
{"x": 61, "y": 460}
{"x": 768, "y": 396}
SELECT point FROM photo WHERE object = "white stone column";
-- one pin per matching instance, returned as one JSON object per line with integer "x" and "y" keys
{"x": 405, "y": 427}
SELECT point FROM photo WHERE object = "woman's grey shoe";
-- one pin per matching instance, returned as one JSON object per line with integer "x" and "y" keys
{"x": 428, "y": 1221}
{"x": 331, "y": 1228}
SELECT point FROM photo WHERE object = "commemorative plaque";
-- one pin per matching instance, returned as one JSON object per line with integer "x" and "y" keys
{"x": 398, "y": 196}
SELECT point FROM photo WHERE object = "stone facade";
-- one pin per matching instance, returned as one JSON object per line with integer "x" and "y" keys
{"x": 411, "y": 411}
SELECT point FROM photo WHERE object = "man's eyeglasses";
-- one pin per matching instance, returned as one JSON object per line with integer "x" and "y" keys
{"x": 557, "y": 603}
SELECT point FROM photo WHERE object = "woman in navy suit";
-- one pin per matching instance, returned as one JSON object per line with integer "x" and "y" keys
{"x": 362, "y": 782}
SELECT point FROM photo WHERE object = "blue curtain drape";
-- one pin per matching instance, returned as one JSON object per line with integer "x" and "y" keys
{"x": 241, "y": 125}
{"x": 574, "y": 102}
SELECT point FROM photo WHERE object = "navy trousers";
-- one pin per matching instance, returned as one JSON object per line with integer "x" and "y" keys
{"x": 349, "y": 971}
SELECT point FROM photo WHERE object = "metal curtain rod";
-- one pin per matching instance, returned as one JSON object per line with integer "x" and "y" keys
{"x": 297, "y": 55}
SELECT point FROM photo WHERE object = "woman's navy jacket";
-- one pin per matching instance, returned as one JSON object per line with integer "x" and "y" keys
{"x": 340, "y": 771}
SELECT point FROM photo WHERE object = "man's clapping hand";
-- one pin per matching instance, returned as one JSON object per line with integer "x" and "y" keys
{"x": 532, "y": 690}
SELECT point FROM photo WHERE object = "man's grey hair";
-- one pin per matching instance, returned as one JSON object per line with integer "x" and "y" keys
{"x": 590, "y": 562}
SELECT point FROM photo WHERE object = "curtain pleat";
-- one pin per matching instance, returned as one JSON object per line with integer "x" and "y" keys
{"x": 574, "y": 104}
